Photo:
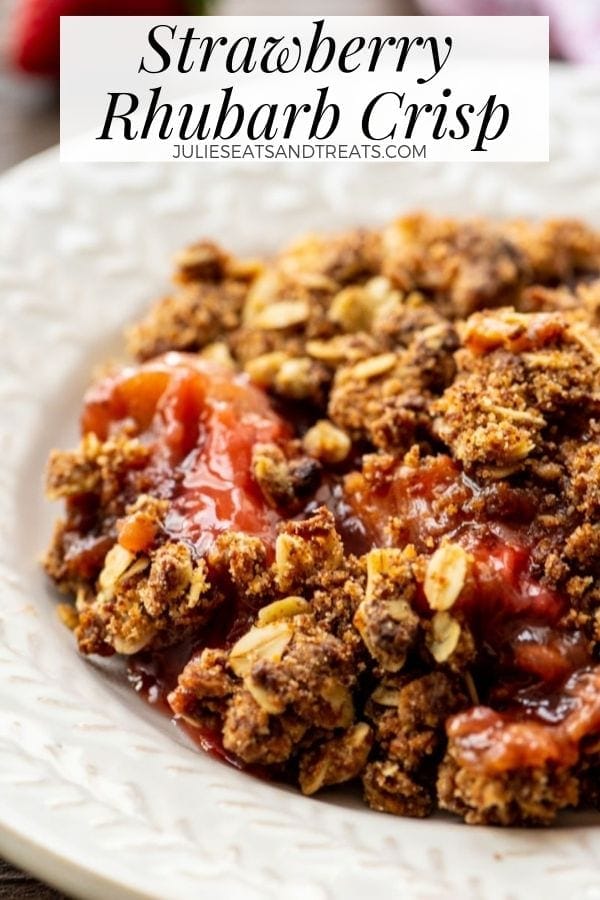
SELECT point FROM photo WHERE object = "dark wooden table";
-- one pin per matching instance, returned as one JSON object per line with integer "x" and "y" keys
{"x": 29, "y": 124}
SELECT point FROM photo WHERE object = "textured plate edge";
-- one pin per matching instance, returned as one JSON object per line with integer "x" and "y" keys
{"x": 59, "y": 871}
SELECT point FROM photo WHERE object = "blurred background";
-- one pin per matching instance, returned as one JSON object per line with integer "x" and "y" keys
{"x": 29, "y": 52}
{"x": 29, "y": 44}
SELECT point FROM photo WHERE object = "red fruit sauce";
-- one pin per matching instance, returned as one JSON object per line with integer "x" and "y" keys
{"x": 200, "y": 424}
{"x": 537, "y": 675}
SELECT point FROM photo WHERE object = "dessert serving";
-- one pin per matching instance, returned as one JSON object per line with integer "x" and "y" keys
{"x": 341, "y": 514}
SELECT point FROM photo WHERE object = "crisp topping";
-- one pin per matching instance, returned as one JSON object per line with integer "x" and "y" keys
{"x": 342, "y": 513}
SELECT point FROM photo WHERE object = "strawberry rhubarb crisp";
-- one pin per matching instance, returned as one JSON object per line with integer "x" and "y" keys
{"x": 342, "y": 514}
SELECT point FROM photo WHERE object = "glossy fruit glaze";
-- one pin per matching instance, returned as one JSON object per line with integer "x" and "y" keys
{"x": 200, "y": 423}
{"x": 535, "y": 673}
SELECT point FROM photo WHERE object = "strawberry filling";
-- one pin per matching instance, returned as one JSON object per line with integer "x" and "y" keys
{"x": 493, "y": 742}
{"x": 200, "y": 424}
{"x": 529, "y": 667}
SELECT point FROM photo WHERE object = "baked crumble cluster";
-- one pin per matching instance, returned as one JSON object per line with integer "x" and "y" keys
{"x": 355, "y": 492}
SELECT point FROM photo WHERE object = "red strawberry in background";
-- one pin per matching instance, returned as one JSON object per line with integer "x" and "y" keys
{"x": 35, "y": 34}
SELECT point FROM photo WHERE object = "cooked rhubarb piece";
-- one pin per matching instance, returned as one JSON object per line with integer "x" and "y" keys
{"x": 200, "y": 424}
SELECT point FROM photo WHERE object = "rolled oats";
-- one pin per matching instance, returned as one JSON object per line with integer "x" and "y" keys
{"x": 444, "y": 636}
{"x": 374, "y": 366}
{"x": 282, "y": 609}
{"x": 282, "y": 314}
{"x": 218, "y": 353}
{"x": 336, "y": 761}
{"x": 445, "y": 576}
{"x": 261, "y": 642}
{"x": 294, "y": 378}
{"x": 116, "y": 563}
{"x": 326, "y": 442}
{"x": 263, "y": 369}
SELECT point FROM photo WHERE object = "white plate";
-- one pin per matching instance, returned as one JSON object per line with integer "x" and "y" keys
{"x": 97, "y": 793}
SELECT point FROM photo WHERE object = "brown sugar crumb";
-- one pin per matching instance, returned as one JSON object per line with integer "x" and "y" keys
{"x": 255, "y": 736}
{"x": 205, "y": 683}
{"x": 203, "y": 261}
{"x": 284, "y": 482}
{"x": 556, "y": 250}
{"x": 465, "y": 265}
{"x": 338, "y": 760}
{"x": 211, "y": 289}
{"x": 194, "y": 316}
{"x": 384, "y": 397}
{"x": 518, "y": 375}
{"x": 284, "y": 678}
{"x": 343, "y": 515}
{"x": 142, "y": 598}
{"x": 385, "y": 619}
{"x": 408, "y": 714}
{"x": 387, "y": 788}
{"x": 306, "y": 547}
{"x": 530, "y": 797}
{"x": 95, "y": 468}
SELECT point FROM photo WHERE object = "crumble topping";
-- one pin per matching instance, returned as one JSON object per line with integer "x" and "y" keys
{"x": 342, "y": 515}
